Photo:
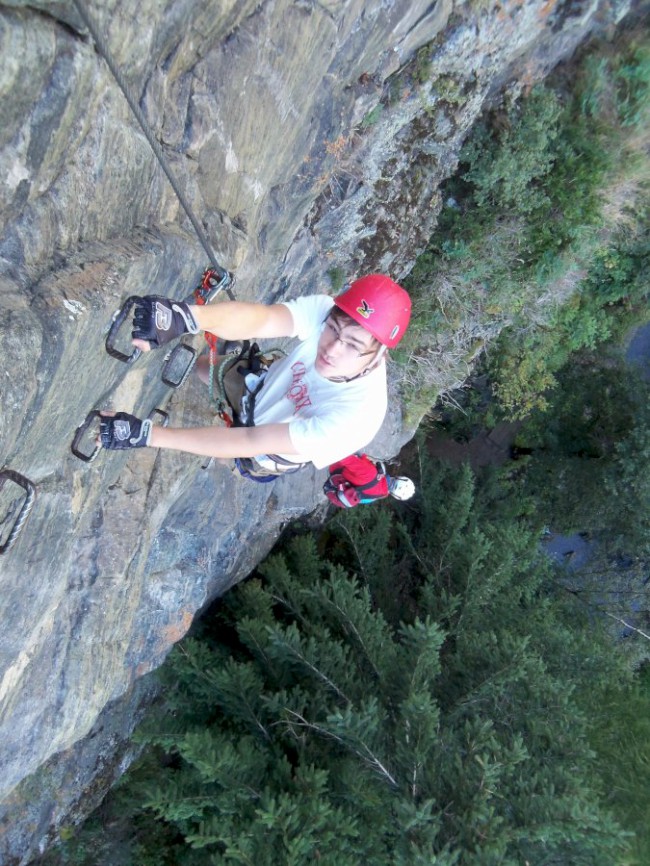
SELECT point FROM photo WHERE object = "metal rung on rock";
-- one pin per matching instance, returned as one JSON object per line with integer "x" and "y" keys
{"x": 23, "y": 514}
{"x": 178, "y": 365}
{"x": 163, "y": 415}
{"x": 89, "y": 429}
{"x": 118, "y": 320}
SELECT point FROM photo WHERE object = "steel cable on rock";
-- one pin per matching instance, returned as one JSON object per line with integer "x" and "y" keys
{"x": 103, "y": 50}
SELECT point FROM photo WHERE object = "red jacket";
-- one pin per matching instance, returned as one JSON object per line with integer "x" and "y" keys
{"x": 356, "y": 480}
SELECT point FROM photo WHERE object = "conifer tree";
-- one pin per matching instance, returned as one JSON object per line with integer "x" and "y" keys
{"x": 303, "y": 725}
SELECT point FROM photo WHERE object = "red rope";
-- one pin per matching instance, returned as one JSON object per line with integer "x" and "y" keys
{"x": 200, "y": 294}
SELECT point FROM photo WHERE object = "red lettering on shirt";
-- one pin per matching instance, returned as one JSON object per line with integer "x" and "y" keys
{"x": 298, "y": 392}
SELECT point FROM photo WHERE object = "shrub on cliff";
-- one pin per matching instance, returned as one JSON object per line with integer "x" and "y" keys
{"x": 542, "y": 234}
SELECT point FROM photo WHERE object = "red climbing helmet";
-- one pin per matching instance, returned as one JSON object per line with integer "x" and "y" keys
{"x": 379, "y": 305}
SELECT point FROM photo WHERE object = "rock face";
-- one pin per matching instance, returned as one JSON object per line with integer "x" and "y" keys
{"x": 311, "y": 139}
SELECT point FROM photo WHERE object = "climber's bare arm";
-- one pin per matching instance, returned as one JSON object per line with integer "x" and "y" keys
{"x": 240, "y": 320}
{"x": 225, "y": 441}
{"x": 237, "y": 320}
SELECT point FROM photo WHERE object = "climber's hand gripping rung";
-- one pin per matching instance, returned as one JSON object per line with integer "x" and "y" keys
{"x": 91, "y": 423}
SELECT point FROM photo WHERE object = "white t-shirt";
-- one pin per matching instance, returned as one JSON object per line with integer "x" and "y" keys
{"x": 327, "y": 420}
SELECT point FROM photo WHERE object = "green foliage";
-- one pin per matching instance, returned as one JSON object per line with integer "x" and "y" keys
{"x": 620, "y": 735}
{"x": 591, "y": 465}
{"x": 611, "y": 296}
{"x": 534, "y": 255}
{"x": 372, "y": 116}
{"x": 619, "y": 84}
{"x": 505, "y": 164}
{"x": 422, "y": 66}
{"x": 337, "y": 277}
{"x": 447, "y": 88}
{"x": 306, "y": 725}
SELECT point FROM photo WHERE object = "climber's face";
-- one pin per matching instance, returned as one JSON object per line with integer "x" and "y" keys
{"x": 345, "y": 349}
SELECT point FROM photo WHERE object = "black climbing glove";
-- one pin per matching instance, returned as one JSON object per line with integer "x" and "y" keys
{"x": 160, "y": 320}
{"x": 121, "y": 431}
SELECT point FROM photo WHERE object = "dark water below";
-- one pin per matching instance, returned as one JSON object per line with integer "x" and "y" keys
{"x": 638, "y": 350}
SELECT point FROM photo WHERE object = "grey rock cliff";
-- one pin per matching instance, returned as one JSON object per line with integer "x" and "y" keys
{"x": 311, "y": 138}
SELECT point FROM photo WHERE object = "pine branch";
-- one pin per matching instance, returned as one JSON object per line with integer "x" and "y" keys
{"x": 346, "y": 619}
{"x": 254, "y": 643}
{"x": 576, "y": 594}
{"x": 318, "y": 673}
{"x": 255, "y": 719}
{"x": 293, "y": 609}
{"x": 367, "y": 755}
{"x": 627, "y": 624}
{"x": 416, "y": 765}
{"x": 217, "y": 687}
{"x": 354, "y": 546}
{"x": 412, "y": 549}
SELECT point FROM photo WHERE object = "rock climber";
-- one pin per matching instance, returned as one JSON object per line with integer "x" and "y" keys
{"x": 322, "y": 402}
{"x": 360, "y": 480}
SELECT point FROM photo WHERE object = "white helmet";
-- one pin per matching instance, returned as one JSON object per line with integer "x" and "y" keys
{"x": 401, "y": 487}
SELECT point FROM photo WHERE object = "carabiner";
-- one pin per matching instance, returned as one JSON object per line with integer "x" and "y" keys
{"x": 211, "y": 285}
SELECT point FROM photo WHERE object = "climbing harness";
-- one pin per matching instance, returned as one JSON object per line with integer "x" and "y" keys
{"x": 240, "y": 384}
{"x": 235, "y": 381}
{"x": 25, "y": 509}
{"x": 88, "y": 433}
{"x": 202, "y": 295}
{"x": 247, "y": 469}
{"x": 218, "y": 372}
{"x": 266, "y": 467}
{"x": 239, "y": 378}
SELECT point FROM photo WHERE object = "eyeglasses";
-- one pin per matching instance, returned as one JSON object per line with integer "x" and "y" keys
{"x": 350, "y": 349}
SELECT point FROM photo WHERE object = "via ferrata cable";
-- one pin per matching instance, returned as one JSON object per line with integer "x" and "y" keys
{"x": 102, "y": 48}
{"x": 217, "y": 276}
